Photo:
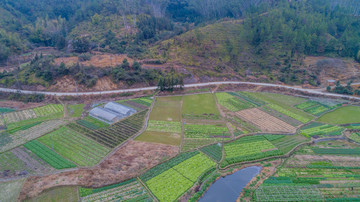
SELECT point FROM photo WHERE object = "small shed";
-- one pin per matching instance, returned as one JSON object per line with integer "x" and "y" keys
{"x": 119, "y": 109}
{"x": 104, "y": 115}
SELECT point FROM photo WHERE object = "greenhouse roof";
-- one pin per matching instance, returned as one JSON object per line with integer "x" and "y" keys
{"x": 103, "y": 114}
{"x": 118, "y": 108}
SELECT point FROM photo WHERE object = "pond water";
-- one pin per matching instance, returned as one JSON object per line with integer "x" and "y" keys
{"x": 229, "y": 188}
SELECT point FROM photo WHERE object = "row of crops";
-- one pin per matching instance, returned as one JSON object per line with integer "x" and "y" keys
{"x": 164, "y": 126}
{"x": 51, "y": 110}
{"x": 249, "y": 148}
{"x": 48, "y": 155}
{"x": 213, "y": 151}
{"x": 312, "y": 177}
{"x": 22, "y": 136}
{"x": 197, "y": 135}
{"x": 293, "y": 115}
{"x": 91, "y": 123}
{"x": 355, "y": 137}
{"x": 232, "y": 103}
{"x": 170, "y": 180}
{"x": 206, "y": 131}
{"x": 315, "y": 108}
{"x": 74, "y": 146}
{"x": 247, "y": 97}
{"x": 130, "y": 190}
{"x": 324, "y": 129}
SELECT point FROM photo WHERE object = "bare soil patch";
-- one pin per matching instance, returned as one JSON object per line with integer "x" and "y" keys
{"x": 98, "y": 60}
{"x": 18, "y": 105}
{"x": 333, "y": 68}
{"x": 127, "y": 162}
{"x": 264, "y": 121}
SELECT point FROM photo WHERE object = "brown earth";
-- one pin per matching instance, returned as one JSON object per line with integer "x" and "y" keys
{"x": 67, "y": 84}
{"x": 127, "y": 162}
{"x": 99, "y": 60}
{"x": 19, "y": 105}
{"x": 333, "y": 68}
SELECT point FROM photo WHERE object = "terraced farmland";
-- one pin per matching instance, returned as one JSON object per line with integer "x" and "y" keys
{"x": 48, "y": 155}
{"x": 19, "y": 115}
{"x": 197, "y": 135}
{"x": 23, "y": 136}
{"x": 167, "y": 109}
{"x": 116, "y": 133}
{"x": 21, "y": 162}
{"x": 48, "y": 110}
{"x": 200, "y": 106}
{"x": 312, "y": 177}
{"x": 213, "y": 151}
{"x": 315, "y": 108}
{"x": 232, "y": 103}
{"x": 170, "y": 180}
{"x": 130, "y": 190}
{"x": 9, "y": 191}
{"x": 254, "y": 128}
{"x": 327, "y": 130}
{"x": 74, "y": 146}
{"x": 249, "y": 148}
{"x": 164, "y": 126}
{"x": 355, "y": 137}
{"x": 206, "y": 131}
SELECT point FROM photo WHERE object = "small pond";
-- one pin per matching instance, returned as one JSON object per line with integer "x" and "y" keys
{"x": 229, "y": 188}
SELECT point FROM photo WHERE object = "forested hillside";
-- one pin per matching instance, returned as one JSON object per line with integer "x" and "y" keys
{"x": 272, "y": 43}
{"x": 201, "y": 39}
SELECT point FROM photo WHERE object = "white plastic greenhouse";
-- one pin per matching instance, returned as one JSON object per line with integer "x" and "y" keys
{"x": 104, "y": 115}
{"x": 112, "y": 112}
{"x": 119, "y": 109}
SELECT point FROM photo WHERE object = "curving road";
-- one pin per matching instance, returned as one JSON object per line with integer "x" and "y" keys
{"x": 313, "y": 91}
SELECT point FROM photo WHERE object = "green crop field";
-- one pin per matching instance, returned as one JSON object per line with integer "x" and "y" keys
{"x": 176, "y": 178}
{"x": 213, "y": 151}
{"x": 249, "y": 148}
{"x": 75, "y": 110}
{"x": 288, "y": 142}
{"x": 274, "y": 98}
{"x": 48, "y": 110}
{"x": 318, "y": 159}
{"x": 9, "y": 191}
{"x": 21, "y": 161}
{"x": 327, "y": 130}
{"x": 206, "y": 131}
{"x": 190, "y": 143}
{"x": 355, "y": 137}
{"x": 283, "y": 104}
{"x": 343, "y": 115}
{"x": 164, "y": 126}
{"x": 160, "y": 137}
{"x": 48, "y": 155}
{"x": 61, "y": 194}
{"x": 166, "y": 109}
{"x": 6, "y": 110}
{"x": 232, "y": 103}
{"x": 200, "y": 106}
{"x": 311, "y": 177}
{"x": 130, "y": 190}
{"x": 315, "y": 108}
{"x": 74, "y": 146}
